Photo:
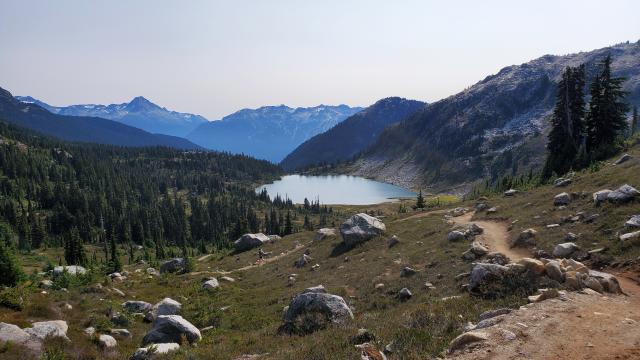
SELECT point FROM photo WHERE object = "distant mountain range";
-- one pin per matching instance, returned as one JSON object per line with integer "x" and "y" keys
{"x": 496, "y": 126}
{"x": 351, "y": 136}
{"x": 139, "y": 112}
{"x": 81, "y": 128}
{"x": 269, "y": 132}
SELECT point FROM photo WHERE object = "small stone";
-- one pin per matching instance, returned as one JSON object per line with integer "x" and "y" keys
{"x": 407, "y": 272}
{"x": 508, "y": 335}
{"x": 467, "y": 338}
{"x": 404, "y": 294}
{"x": 107, "y": 341}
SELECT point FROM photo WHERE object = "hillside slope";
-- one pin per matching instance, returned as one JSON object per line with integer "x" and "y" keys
{"x": 269, "y": 132}
{"x": 493, "y": 127}
{"x": 139, "y": 112}
{"x": 351, "y": 136}
{"x": 80, "y": 128}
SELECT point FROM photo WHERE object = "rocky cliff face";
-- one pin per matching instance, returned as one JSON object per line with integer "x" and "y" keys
{"x": 494, "y": 127}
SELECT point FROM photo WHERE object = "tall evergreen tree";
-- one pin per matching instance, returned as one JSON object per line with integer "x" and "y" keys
{"x": 420, "y": 200}
{"x": 9, "y": 265}
{"x": 566, "y": 140}
{"x": 74, "y": 253}
{"x": 114, "y": 263}
{"x": 607, "y": 115}
{"x": 634, "y": 121}
{"x": 288, "y": 226}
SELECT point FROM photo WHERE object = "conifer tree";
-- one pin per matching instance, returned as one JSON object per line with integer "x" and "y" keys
{"x": 9, "y": 265}
{"x": 307, "y": 223}
{"x": 566, "y": 139}
{"x": 606, "y": 119}
{"x": 288, "y": 226}
{"x": 115, "y": 264}
{"x": 420, "y": 200}
{"x": 634, "y": 121}
{"x": 74, "y": 253}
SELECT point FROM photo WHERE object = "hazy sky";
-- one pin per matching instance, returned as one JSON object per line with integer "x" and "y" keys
{"x": 215, "y": 57}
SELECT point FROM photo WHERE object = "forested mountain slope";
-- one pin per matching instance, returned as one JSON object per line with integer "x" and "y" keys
{"x": 139, "y": 112}
{"x": 496, "y": 126}
{"x": 80, "y": 128}
{"x": 351, "y": 136}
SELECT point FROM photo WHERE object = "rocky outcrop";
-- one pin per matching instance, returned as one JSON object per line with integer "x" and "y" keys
{"x": 175, "y": 265}
{"x": 359, "y": 228}
{"x": 623, "y": 194}
{"x": 13, "y": 334}
{"x": 171, "y": 329}
{"x": 324, "y": 233}
{"x": 250, "y": 241}
{"x": 166, "y": 306}
{"x": 71, "y": 270}
{"x": 135, "y": 306}
{"x": 562, "y": 199}
{"x": 313, "y": 309}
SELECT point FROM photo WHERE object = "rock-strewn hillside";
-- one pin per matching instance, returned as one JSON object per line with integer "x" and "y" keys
{"x": 495, "y": 126}
{"x": 351, "y": 136}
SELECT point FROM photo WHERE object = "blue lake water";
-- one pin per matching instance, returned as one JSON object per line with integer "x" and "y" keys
{"x": 334, "y": 189}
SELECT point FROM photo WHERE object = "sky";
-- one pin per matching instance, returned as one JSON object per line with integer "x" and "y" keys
{"x": 214, "y": 57}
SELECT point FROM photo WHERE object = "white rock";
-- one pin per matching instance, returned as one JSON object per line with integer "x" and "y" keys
{"x": 107, "y": 341}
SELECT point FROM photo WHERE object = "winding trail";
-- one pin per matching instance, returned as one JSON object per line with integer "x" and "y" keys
{"x": 495, "y": 236}
{"x": 584, "y": 325}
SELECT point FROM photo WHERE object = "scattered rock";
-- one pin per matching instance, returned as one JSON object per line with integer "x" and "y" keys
{"x": 571, "y": 237}
{"x": 533, "y": 265}
{"x": 493, "y": 313}
{"x": 508, "y": 335}
{"x": 227, "y": 279}
{"x": 136, "y": 306}
{"x": 489, "y": 322}
{"x": 53, "y": 328}
{"x": 370, "y": 352}
{"x": 525, "y": 239}
{"x": 250, "y": 241}
{"x": 609, "y": 282}
{"x": 145, "y": 353}
{"x": 120, "y": 333}
{"x": 624, "y": 193}
{"x": 600, "y": 196}
{"x": 565, "y": 249}
{"x": 302, "y": 261}
{"x": 622, "y": 159}
{"x": 107, "y": 342}
{"x": 13, "y": 334}
{"x": 467, "y": 338}
{"x": 323, "y": 233}
{"x": 510, "y": 192}
{"x": 492, "y": 210}
{"x": 633, "y": 222}
{"x": 166, "y": 306}
{"x": 359, "y": 228}
{"x": 562, "y": 182}
{"x": 393, "y": 241}
{"x": 562, "y": 199}
{"x": 407, "y": 272}
{"x": 404, "y": 294}
{"x": 171, "y": 329}
{"x": 71, "y": 270}
{"x": 312, "y": 309}
{"x": 173, "y": 266}
{"x": 46, "y": 284}
{"x": 629, "y": 237}
{"x": 456, "y": 236}
{"x": 545, "y": 294}
{"x": 554, "y": 271}
{"x": 211, "y": 284}
{"x": 90, "y": 331}
{"x": 363, "y": 336}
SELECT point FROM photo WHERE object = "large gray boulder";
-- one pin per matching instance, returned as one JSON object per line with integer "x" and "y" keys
{"x": 623, "y": 194}
{"x": 493, "y": 280}
{"x": 171, "y": 329}
{"x": 166, "y": 306}
{"x": 609, "y": 282}
{"x": 359, "y": 228}
{"x": 526, "y": 238}
{"x": 134, "y": 306}
{"x": 562, "y": 199}
{"x": 71, "y": 270}
{"x": 565, "y": 249}
{"x": 633, "y": 222}
{"x": 13, "y": 334}
{"x": 600, "y": 196}
{"x": 250, "y": 241}
{"x": 173, "y": 266}
{"x": 313, "y": 309}
{"x": 44, "y": 329}
{"x": 456, "y": 235}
